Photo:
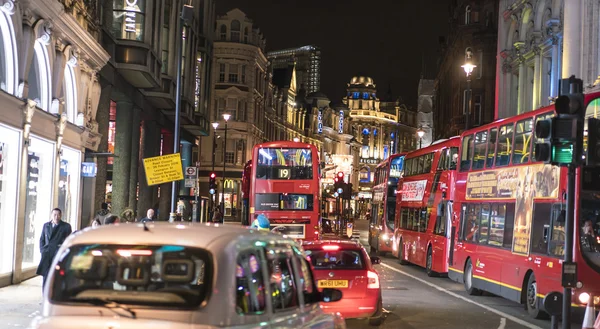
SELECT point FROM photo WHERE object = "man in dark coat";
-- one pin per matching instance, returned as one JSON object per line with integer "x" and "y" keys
{"x": 54, "y": 234}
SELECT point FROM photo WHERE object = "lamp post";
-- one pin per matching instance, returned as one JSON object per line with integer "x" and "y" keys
{"x": 420, "y": 133}
{"x": 468, "y": 67}
{"x": 187, "y": 13}
{"x": 214, "y": 150}
{"x": 226, "y": 117}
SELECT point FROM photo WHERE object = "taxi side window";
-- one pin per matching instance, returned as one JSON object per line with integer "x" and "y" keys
{"x": 284, "y": 292}
{"x": 307, "y": 284}
{"x": 249, "y": 287}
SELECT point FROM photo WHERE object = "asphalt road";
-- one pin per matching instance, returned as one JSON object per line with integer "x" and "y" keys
{"x": 413, "y": 300}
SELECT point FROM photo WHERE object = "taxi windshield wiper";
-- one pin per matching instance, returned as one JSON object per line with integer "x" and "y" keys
{"x": 106, "y": 302}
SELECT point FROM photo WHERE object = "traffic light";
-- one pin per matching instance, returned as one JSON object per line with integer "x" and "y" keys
{"x": 212, "y": 183}
{"x": 338, "y": 182}
{"x": 593, "y": 150}
{"x": 347, "y": 191}
{"x": 561, "y": 137}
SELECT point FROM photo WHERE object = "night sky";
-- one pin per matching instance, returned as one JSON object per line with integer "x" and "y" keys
{"x": 383, "y": 39}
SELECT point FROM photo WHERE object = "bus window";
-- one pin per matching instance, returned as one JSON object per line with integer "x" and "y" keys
{"x": 480, "y": 150}
{"x": 442, "y": 162}
{"x": 467, "y": 153}
{"x": 504, "y": 145}
{"x": 428, "y": 161}
{"x": 496, "y": 234}
{"x": 440, "y": 220}
{"x": 540, "y": 228}
{"x": 557, "y": 240}
{"x": 484, "y": 224}
{"x": 491, "y": 149}
{"x": 414, "y": 213}
{"x": 471, "y": 229}
{"x": 404, "y": 218}
{"x": 424, "y": 220}
{"x": 453, "y": 158}
{"x": 538, "y": 118}
{"x": 421, "y": 160}
{"x": 509, "y": 224}
{"x": 521, "y": 150}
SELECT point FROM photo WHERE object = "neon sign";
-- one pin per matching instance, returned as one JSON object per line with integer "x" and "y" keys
{"x": 131, "y": 9}
{"x": 341, "y": 124}
{"x": 320, "y": 121}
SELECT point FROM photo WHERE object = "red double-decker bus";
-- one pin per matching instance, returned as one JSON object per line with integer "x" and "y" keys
{"x": 424, "y": 206}
{"x": 381, "y": 226}
{"x": 510, "y": 223}
{"x": 285, "y": 186}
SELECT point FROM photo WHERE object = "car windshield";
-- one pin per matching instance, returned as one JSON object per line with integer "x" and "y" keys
{"x": 589, "y": 226}
{"x": 340, "y": 259}
{"x": 163, "y": 275}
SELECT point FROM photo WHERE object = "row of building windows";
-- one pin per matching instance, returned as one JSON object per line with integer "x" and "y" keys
{"x": 237, "y": 108}
{"x": 235, "y": 73}
{"x": 235, "y": 32}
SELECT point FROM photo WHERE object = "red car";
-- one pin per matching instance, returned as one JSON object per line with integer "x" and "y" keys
{"x": 345, "y": 265}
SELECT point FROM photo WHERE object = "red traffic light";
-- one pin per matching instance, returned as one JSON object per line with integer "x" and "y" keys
{"x": 340, "y": 174}
{"x": 213, "y": 175}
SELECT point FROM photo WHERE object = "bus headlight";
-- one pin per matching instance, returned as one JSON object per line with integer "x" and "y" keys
{"x": 584, "y": 298}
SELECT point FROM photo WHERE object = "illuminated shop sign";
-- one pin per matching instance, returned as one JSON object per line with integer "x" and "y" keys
{"x": 131, "y": 10}
{"x": 341, "y": 124}
{"x": 320, "y": 121}
{"x": 369, "y": 160}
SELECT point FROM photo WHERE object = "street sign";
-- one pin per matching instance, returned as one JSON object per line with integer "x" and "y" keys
{"x": 163, "y": 169}
{"x": 190, "y": 182}
{"x": 88, "y": 169}
{"x": 190, "y": 171}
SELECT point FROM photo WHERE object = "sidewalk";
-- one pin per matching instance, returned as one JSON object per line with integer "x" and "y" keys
{"x": 20, "y": 303}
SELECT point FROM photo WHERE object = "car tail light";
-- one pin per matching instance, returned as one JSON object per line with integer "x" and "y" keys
{"x": 316, "y": 232}
{"x": 373, "y": 280}
{"x": 331, "y": 247}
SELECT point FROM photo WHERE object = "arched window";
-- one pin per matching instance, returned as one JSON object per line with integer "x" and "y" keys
{"x": 70, "y": 93}
{"x": 467, "y": 15}
{"x": 235, "y": 31}
{"x": 246, "y": 34}
{"x": 223, "y": 33}
{"x": 39, "y": 77}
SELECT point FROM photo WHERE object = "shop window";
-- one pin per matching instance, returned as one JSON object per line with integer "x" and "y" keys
{"x": 38, "y": 200}
{"x": 284, "y": 292}
{"x": 250, "y": 286}
{"x": 128, "y": 20}
{"x": 112, "y": 129}
{"x": 68, "y": 185}
{"x": 10, "y": 148}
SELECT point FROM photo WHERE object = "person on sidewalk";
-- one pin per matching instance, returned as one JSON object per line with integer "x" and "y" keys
{"x": 218, "y": 216}
{"x": 149, "y": 215}
{"x": 103, "y": 213}
{"x": 261, "y": 223}
{"x": 53, "y": 235}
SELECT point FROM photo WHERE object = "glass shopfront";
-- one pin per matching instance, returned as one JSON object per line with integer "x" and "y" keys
{"x": 38, "y": 202}
{"x": 68, "y": 186}
{"x": 10, "y": 149}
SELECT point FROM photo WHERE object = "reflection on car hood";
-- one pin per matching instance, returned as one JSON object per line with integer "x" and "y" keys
{"x": 107, "y": 322}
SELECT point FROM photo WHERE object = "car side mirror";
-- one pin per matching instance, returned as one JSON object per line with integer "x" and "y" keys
{"x": 331, "y": 295}
{"x": 375, "y": 260}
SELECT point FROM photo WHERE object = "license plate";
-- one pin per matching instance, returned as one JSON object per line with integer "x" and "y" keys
{"x": 332, "y": 284}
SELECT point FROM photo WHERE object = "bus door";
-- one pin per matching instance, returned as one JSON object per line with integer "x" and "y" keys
{"x": 374, "y": 226}
{"x": 441, "y": 236}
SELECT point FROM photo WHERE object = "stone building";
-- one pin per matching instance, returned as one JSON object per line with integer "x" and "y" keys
{"x": 240, "y": 85}
{"x": 473, "y": 29}
{"x": 49, "y": 90}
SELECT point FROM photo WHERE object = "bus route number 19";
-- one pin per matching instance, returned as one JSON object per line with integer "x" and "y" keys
{"x": 284, "y": 173}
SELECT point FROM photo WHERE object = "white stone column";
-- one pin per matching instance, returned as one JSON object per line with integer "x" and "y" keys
{"x": 537, "y": 78}
{"x": 572, "y": 36}
{"x": 555, "y": 72}
{"x": 522, "y": 86}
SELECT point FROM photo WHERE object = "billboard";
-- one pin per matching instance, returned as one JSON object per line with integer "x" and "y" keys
{"x": 413, "y": 191}
{"x": 522, "y": 184}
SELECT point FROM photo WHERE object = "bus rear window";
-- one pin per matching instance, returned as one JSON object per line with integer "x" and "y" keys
{"x": 280, "y": 163}
{"x": 338, "y": 259}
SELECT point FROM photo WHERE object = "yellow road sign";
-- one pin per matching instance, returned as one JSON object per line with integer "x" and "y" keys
{"x": 163, "y": 169}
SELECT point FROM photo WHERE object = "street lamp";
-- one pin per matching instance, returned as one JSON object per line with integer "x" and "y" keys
{"x": 468, "y": 67}
{"x": 214, "y": 150}
{"x": 420, "y": 133}
{"x": 296, "y": 139}
{"x": 226, "y": 116}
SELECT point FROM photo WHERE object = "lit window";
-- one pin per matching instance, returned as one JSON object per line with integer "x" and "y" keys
{"x": 128, "y": 20}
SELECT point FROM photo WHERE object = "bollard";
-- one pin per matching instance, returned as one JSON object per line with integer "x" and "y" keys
{"x": 553, "y": 305}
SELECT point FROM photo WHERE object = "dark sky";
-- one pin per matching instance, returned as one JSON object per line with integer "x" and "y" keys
{"x": 383, "y": 39}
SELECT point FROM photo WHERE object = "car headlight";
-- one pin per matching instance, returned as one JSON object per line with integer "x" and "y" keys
{"x": 584, "y": 298}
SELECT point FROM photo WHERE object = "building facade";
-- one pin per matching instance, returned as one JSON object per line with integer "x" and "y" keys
{"x": 307, "y": 60}
{"x": 49, "y": 91}
{"x": 136, "y": 111}
{"x": 473, "y": 30}
{"x": 239, "y": 86}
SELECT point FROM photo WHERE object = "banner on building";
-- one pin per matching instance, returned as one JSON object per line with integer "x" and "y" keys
{"x": 163, "y": 169}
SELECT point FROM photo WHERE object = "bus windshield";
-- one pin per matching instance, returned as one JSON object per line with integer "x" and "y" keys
{"x": 284, "y": 163}
{"x": 396, "y": 169}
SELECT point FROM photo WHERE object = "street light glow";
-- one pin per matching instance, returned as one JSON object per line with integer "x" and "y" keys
{"x": 420, "y": 133}
{"x": 215, "y": 125}
{"x": 468, "y": 67}
{"x": 296, "y": 139}
{"x": 226, "y": 116}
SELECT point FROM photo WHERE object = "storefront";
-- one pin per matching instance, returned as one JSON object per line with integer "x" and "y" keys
{"x": 10, "y": 154}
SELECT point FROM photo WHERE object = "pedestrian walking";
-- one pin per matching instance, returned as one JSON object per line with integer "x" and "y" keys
{"x": 218, "y": 216}
{"x": 112, "y": 220}
{"x": 53, "y": 235}
{"x": 103, "y": 213}
{"x": 149, "y": 216}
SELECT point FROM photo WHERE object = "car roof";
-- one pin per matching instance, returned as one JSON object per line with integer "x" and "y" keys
{"x": 345, "y": 244}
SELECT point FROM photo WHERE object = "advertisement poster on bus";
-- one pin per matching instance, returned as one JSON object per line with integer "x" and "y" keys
{"x": 413, "y": 191}
{"x": 523, "y": 184}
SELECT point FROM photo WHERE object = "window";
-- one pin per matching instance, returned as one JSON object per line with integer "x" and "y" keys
{"x": 428, "y": 158}
{"x": 230, "y": 108}
{"x": 220, "y": 108}
{"x": 243, "y": 73}
{"x": 540, "y": 228}
{"x": 471, "y": 232}
{"x": 484, "y": 224}
{"x": 364, "y": 175}
{"x": 229, "y": 157}
{"x": 223, "y": 33}
{"x": 70, "y": 93}
{"x": 480, "y": 150}
{"x": 246, "y": 35}
{"x": 479, "y": 73}
{"x": 504, "y": 145}
{"x": 233, "y": 73}
{"x": 496, "y": 234}
{"x": 235, "y": 31}
{"x": 477, "y": 110}
{"x": 365, "y": 95}
{"x": 165, "y": 38}
{"x": 307, "y": 283}
{"x": 557, "y": 240}
{"x": 341, "y": 259}
{"x": 522, "y": 146}
{"x": 221, "y": 72}
{"x": 424, "y": 219}
{"x": 365, "y": 152}
{"x": 509, "y": 224}
{"x": 276, "y": 163}
{"x": 467, "y": 15}
{"x": 284, "y": 292}
{"x": 440, "y": 220}
{"x": 128, "y": 19}
{"x": 466, "y": 153}
{"x": 250, "y": 286}
{"x": 491, "y": 149}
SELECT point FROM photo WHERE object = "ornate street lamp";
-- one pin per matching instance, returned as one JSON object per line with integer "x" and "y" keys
{"x": 468, "y": 67}
{"x": 226, "y": 116}
{"x": 420, "y": 133}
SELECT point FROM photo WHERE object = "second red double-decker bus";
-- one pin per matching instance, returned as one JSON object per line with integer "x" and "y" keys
{"x": 424, "y": 206}
{"x": 511, "y": 210}
{"x": 285, "y": 187}
{"x": 381, "y": 227}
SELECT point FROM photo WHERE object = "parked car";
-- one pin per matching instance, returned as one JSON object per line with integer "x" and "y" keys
{"x": 346, "y": 265}
{"x": 160, "y": 275}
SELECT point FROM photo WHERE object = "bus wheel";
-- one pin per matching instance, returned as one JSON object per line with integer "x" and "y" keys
{"x": 401, "y": 259}
{"x": 531, "y": 300}
{"x": 468, "y": 279}
{"x": 429, "y": 263}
